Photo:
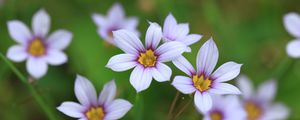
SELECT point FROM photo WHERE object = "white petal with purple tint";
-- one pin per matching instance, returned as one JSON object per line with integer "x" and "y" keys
{"x": 184, "y": 84}
{"x": 85, "y": 91}
{"x": 184, "y": 65}
{"x": 292, "y": 24}
{"x": 116, "y": 13}
{"x": 170, "y": 25}
{"x": 19, "y": 31}
{"x": 60, "y": 39}
{"x": 227, "y": 71}
{"x": 56, "y": 57}
{"x": 224, "y": 88}
{"x": 202, "y": 101}
{"x": 17, "y": 53}
{"x": 245, "y": 85}
{"x": 37, "y": 67}
{"x": 153, "y": 36}
{"x": 128, "y": 41}
{"x": 108, "y": 93}
{"x": 161, "y": 72}
{"x": 41, "y": 23}
{"x": 293, "y": 48}
{"x": 140, "y": 78}
{"x": 72, "y": 109}
{"x": 117, "y": 109}
{"x": 207, "y": 57}
{"x": 99, "y": 19}
{"x": 122, "y": 62}
{"x": 170, "y": 50}
{"x": 267, "y": 91}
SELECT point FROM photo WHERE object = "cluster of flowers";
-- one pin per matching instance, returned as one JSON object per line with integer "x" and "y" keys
{"x": 161, "y": 45}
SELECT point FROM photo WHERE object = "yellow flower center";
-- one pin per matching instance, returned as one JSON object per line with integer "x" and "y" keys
{"x": 200, "y": 83}
{"x": 216, "y": 116}
{"x": 37, "y": 47}
{"x": 148, "y": 59}
{"x": 110, "y": 33}
{"x": 95, "y": 113}
{"x": 253, "y": 111}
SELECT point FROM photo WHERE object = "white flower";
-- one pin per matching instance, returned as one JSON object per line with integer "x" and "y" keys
{"x": 92, "y": 108}
{"x": 147, "y": 62}
{"x": 225, "y": 108}
{"x": 204, "y": 81}
{"x": 38, "y": 48}
{"x": 178, "y": 32}
{"x": 115, "y": 20}
{"x": 258, "y": 105}
{"x": 292, "y": 25}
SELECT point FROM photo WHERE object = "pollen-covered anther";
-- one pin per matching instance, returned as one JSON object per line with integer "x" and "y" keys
{"x": 148, "y": 59}
{"x": 36, "y": 47}
{"x": 95, "y": 113}
{"x": 201, "y": 83}
{"x": 253, "y": 111}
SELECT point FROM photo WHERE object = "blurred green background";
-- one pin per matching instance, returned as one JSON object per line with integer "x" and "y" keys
{"x": 246, "y": 31}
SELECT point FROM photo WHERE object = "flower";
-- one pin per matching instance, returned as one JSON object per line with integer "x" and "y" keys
{"x": 204, "y": 81}
{"x": 36, "y": 46}
{"x": 178, "y": 32}
{"x": 147, "y": 62}
{"x": 292, "y": 25}
{"x": 225, "y": 108}
{"x": 92, "y": 108}
{"x": 259, "y": 105}
{"x": 115, "y": 20}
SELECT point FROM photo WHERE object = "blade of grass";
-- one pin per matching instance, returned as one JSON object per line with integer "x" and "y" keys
{"x": 34, "y": 93}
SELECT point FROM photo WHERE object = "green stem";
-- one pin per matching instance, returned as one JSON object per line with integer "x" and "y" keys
{"x": 34, "y": 93}
{"x": 138, "y": 107}
{"x": 283, "y": 68}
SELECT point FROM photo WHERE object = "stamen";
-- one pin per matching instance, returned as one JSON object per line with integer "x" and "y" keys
{"x": 95, "y": 113}
{"x": 148, "y": 59}
{"x": 253, "y": 111}
{"x": 216, "y": 116}
{"x": 37, "y": 47}
{"x": 200, "y": 83}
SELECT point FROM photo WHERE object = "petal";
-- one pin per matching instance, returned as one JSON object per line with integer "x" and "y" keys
{"x": 60, "y": 39}
{"x": 202, "y": 101}
{"x": 267, "y": 90}
{"x": 161, "y": 72}
{"x": 292, "y": 24}
{"x": 17, "y": 53}
{"x": 128, "y": 41}
{"x": 184, "y": 84}
{"x": 85, "y": 91}
{"x": 224, "y": 88}
{"x": 170, "y": 50}
{"x": 108, "y": 93}
{"x": 276, "y": 112}
{"x": 71, "y": 109}
{"x": 182, "y": 30}
{"x": 170, "y": 25}
{"x": 131, "y": 23}
{"x": 184, "y": 65}
{"x": 140, "y": 78}
{"x": 153, "y": 36}
{"x": 99, "y": 19}
{"x": 117, "y": 109}
{"x": 191, "y": 39}
{"x": 245, "y": 85}
{"x": 37, "y": 67}
{"x": 116, "y": 12}
{"x": 227, "y": 71}
{"x": 122, "y": 62}
{"x": 207, "y": 57}
{"x": 41, "y": 23}
{"x": 19, "y": 31}
{"x": 293, "y": 48}
{"x": 56, "y": 57}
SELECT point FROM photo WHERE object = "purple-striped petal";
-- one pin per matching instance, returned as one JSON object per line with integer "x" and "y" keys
{"x": 72, "y": 109}
{"x": 170, "y": 50}
{"x": 108, "y": 93}
{"x": 85, "y": 91}
{"x": 207, "y": 57}
{"x": 128, "y": 41}
{"x": 203, "y": 101}
{"x": 117, "y": 109}
{"x": 122, "y": 62}
{"x": 224, "y": 88}
{"x": 161, "y": 72}
{"x": 184, "y": 65}
{"x": 140, "y": 78}
{"x": 184, "y": 84}
{"x": 170, "y": 25}
{"x": 190, "y": 39}
{"x": 153, "y": 36}
{"x": 182, "y": 30}
{"x": 227, "y": 71}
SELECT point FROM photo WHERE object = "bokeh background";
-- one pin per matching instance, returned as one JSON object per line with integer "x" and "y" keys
{"x": 246, "y": 31}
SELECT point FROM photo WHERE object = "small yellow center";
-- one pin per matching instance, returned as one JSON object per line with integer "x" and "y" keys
{"x": 95, "y": 113}
{"x": 110, "y": 33}
{"x": 37, "y": 47}
{"x": 253, "y": 111}
{"x": 215, "y": 116}
{"x": 148, "y": 59}
{"x": 200, "y": 83}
